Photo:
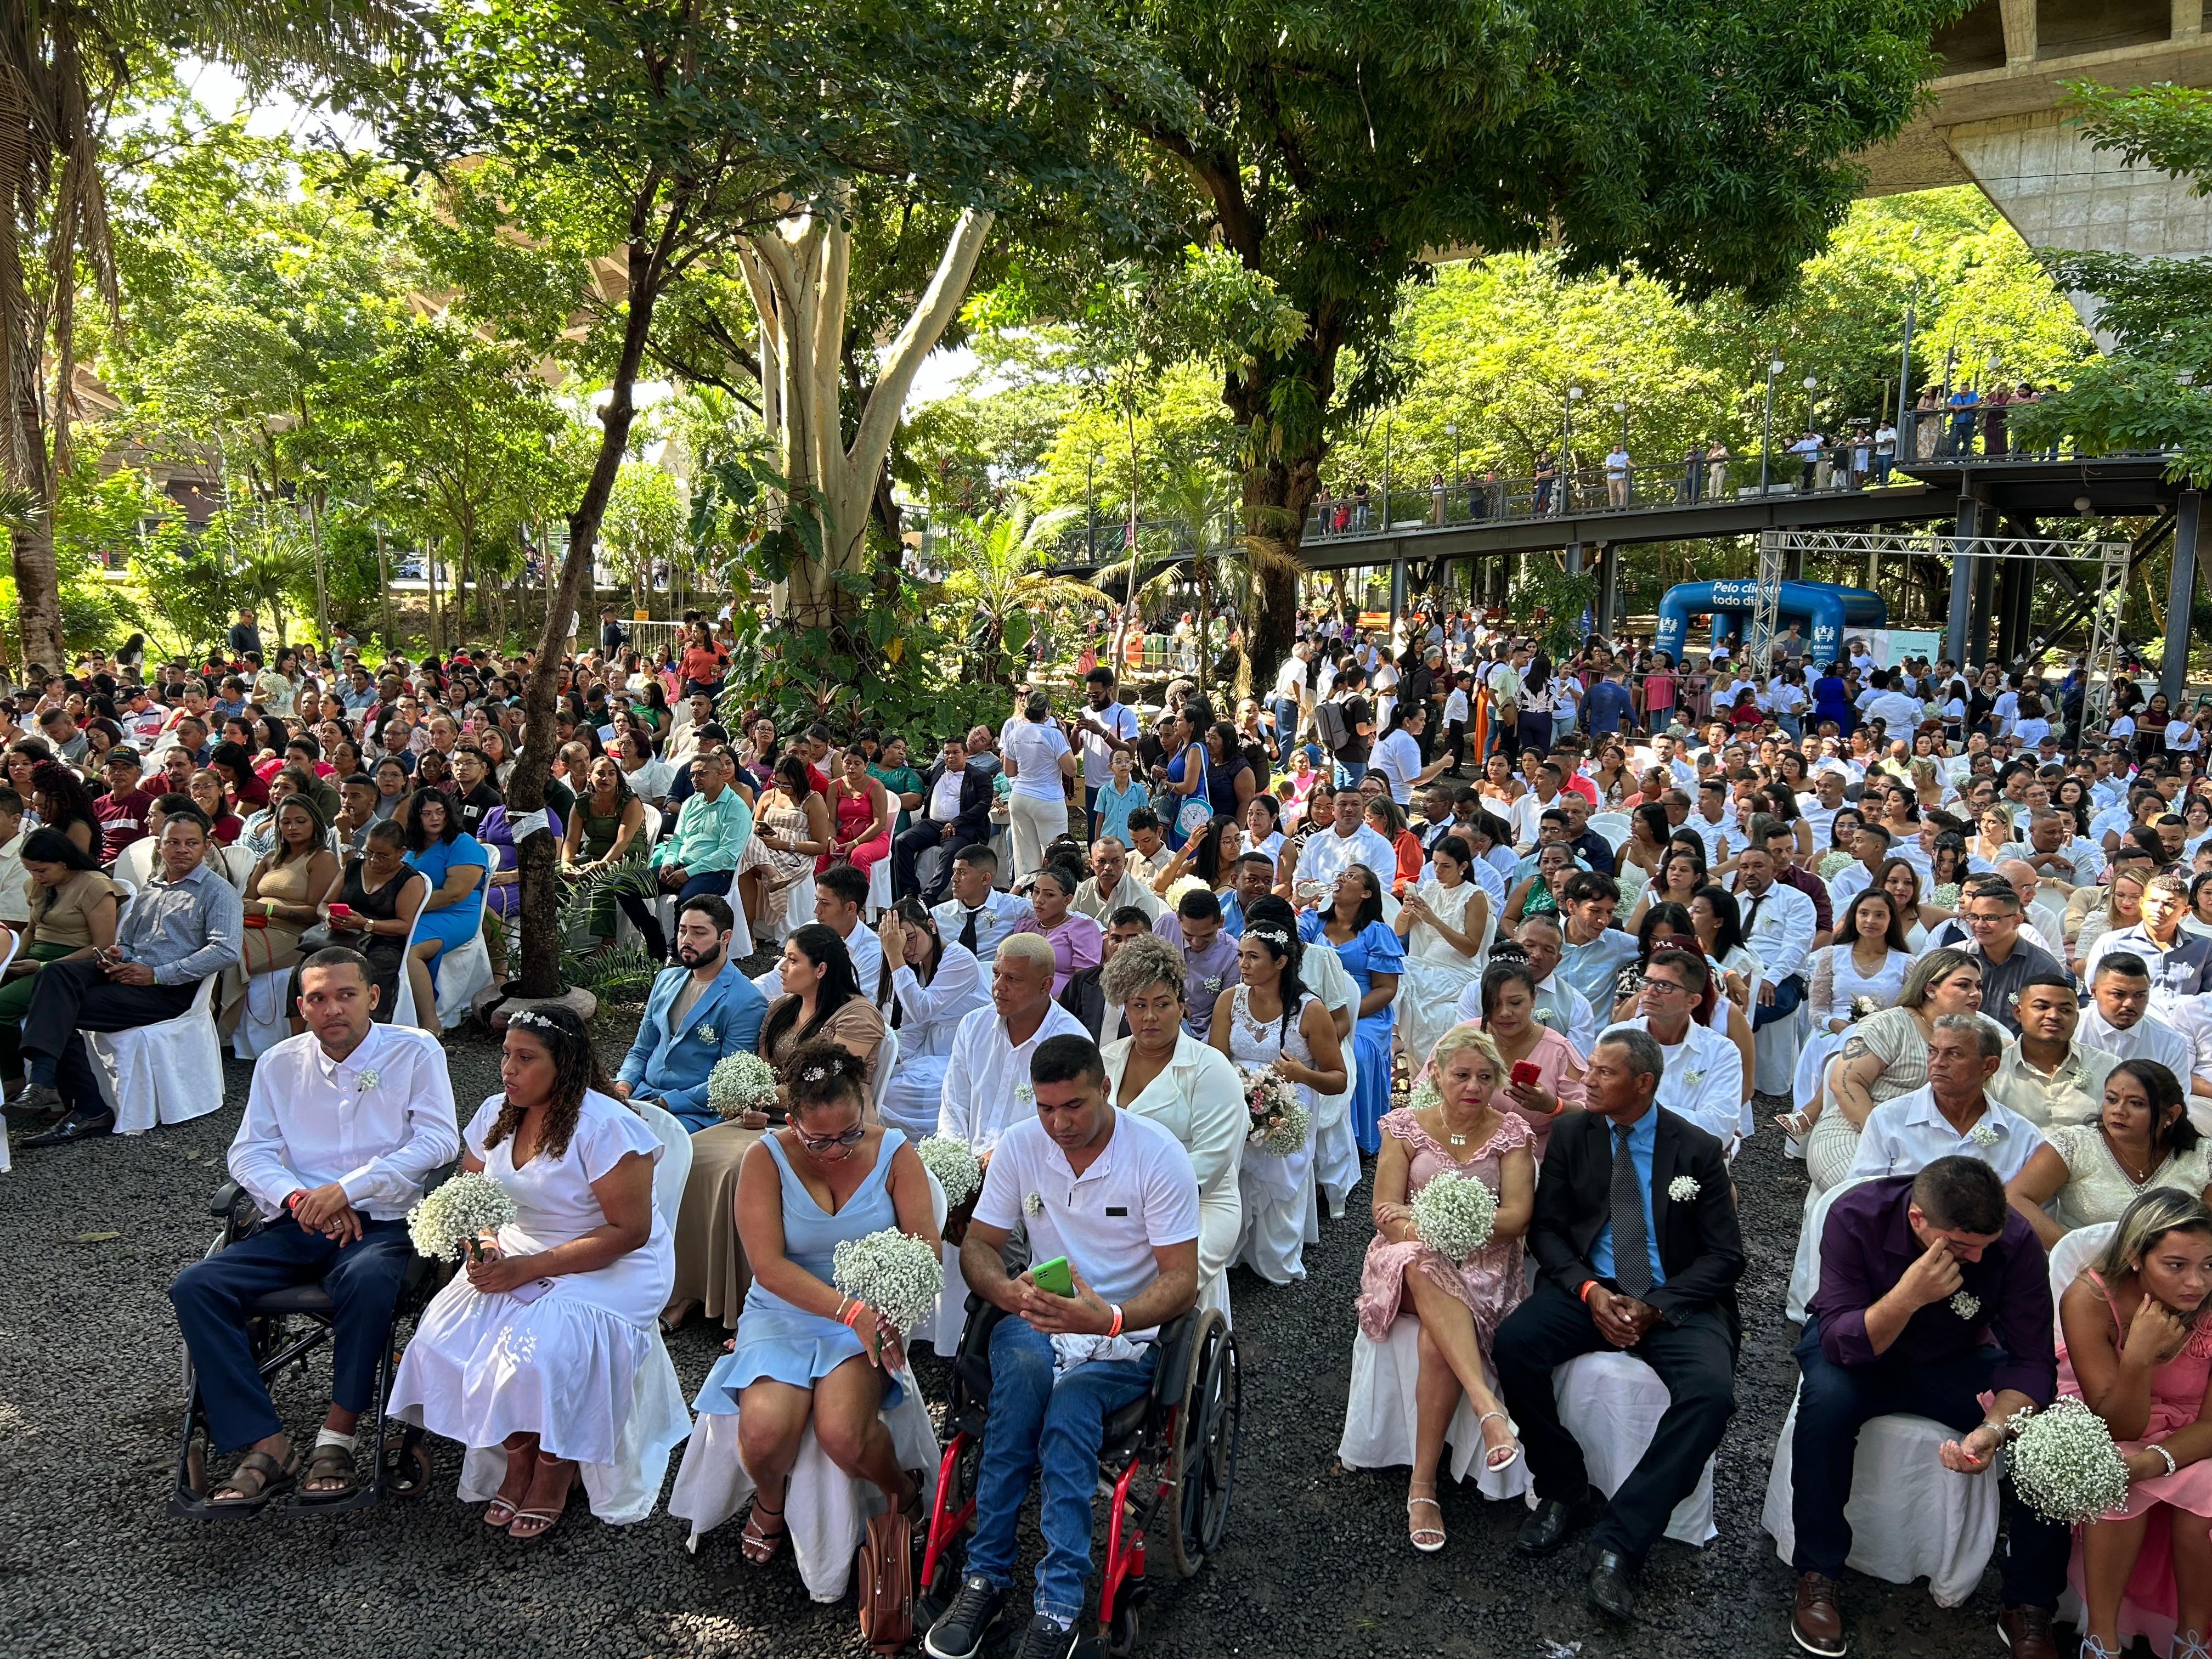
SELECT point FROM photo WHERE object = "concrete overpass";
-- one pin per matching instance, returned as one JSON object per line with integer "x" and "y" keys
{"x": 1996, "y": 122}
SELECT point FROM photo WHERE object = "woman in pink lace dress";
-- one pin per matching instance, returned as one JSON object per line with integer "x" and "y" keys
{"x": 1459, "y": 1305}
{"x": 2138, "y": 1350}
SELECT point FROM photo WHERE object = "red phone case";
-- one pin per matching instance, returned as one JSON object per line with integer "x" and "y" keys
{"x": 1528, "y": 1074}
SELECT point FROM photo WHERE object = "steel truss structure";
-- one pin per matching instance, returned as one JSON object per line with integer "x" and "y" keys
{"x": 1778, "y": 549}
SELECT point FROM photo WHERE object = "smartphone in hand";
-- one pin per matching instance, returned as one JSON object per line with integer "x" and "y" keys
{"x": 1054, "y": 1276}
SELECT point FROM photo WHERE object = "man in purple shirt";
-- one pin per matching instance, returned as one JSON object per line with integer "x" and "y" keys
{"x": 1209, "y": 956}
{"x": 1933, "y": 1293}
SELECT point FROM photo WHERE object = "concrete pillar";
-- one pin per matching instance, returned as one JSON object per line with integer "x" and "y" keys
{"x": 2188, "y": 19}
{"x": 1962, "y": 585}
{"x": 2023, "y": 618}
{"x": 2180, "y": 598}
{"x": 1608, "y": 588}
{"x": 1574, "y": 558}
{"x": 2020, "y": 32}
{"x": 1981, "y": 626}
{"x": 1397, "y": 596}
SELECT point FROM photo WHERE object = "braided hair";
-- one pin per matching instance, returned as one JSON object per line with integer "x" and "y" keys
{"x": 576, "y": 1068}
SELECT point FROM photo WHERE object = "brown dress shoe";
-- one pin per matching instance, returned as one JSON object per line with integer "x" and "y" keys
{"x": 2026, "y": 1632}
{"x": 1817, "y": 1622}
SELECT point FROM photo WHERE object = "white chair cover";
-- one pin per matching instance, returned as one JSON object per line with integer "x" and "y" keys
{"x": 1379, "y": 1413}
{"x": 403, "y": 1004}
{"x": 624, "y": 1492}
{"x": 135, "y": 863}
{"x": 460, "y": 973}
{"x": 886, "y": 1062}
{"x": 1612, "y": 828}
{"x": 1805, "y": 1271}
{"x": 266, "y": 1020}
{"x": 798, "y": 909}
{"x": 880, "y": 888}
{"x": 1909, "y": 1516}
{"x": 2075, "y": 1251}
{"x": 170, "y": 1072}
{"x": 1612, "y": 1404}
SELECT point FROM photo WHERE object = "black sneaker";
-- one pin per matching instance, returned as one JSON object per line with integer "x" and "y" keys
{"x": 959, "y": 1632}
{"x": 1046, "y": 1638}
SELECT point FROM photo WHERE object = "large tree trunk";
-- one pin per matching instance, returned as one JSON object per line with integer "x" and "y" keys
{"x": 798, "y": 280}
{"x": 536, "y": 847}
{"x": 1282, "y": 474}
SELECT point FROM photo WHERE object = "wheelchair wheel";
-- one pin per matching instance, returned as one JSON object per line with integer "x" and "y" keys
{"x": 1202, "y": 1446}
{"x": 411, "y": 1474}
{"x": 196, "y": 1470}
{"x": 1121, "y": 1634}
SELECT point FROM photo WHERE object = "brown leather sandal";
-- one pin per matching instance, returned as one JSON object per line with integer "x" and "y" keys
{"x": 269, "y": 1479}
{"x": 332, "y": 1463}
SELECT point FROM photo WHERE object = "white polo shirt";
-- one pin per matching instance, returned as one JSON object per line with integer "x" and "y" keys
{"x": 1139, "y": 1194}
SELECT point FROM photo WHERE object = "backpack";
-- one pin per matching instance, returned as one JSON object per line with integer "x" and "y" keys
{"x": 1328, "y": 720}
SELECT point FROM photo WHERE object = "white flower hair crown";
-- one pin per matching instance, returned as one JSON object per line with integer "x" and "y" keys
{"x": 816, "y": 1074}
{"x": 1271, "y": 935}
{"x": 531, "y": 1019}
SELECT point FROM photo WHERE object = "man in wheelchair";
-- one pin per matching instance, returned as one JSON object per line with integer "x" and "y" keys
{"x": 342, "y": 1126}
{"x": 1113, "y": 1197}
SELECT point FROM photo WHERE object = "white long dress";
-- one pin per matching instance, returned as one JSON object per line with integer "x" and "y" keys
{"x": 1836, "y": 983}
{"x": 929, "y": 1015}
{"x": 581, "y": 1365}
{"x": 1435, "y": 972}
{"x": 1336, "y": 1152}
{"x": 1281, "y": 1214}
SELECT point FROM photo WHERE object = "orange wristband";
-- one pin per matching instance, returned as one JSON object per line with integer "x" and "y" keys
{"x": 1588, "y": 1285}
{"x": 1115, "y": 1329}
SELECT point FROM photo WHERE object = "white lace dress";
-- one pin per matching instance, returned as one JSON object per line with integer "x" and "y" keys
{"x": 1434, "y": 973}
{"x": 1836, "y": 984}
{"x": 1281, "y": 1215}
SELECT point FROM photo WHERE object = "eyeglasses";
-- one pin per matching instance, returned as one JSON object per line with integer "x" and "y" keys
{"x": 1652, "y": 982}
{"x": 823, "y": 1143}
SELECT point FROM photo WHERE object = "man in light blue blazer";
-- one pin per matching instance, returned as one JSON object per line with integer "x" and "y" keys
{"x": 699, "y": 1013}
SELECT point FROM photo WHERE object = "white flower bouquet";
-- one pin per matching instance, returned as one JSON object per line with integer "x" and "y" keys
{"x": 1173, "y": 897}
{"x": 1454, "y": 1215}
{"x": 893, "y": 1273}
{"x": 2065, "y": 1465}
{"x": 743, "y": 1083}
{"x": 447, "y": 1223}
{"x": 1864, "y": 1007}
{"x": 1424, "y": 1096}
{"x": 1280, "y": 1119}
{"x": 956, "y": 1168}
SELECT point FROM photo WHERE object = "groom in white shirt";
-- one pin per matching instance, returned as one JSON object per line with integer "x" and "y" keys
{"x": 342, "y": 1126}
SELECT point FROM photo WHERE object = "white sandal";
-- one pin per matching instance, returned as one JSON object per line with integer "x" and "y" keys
{"x": 1490, "y": 1458}
{"x": 1435, "y": 1535}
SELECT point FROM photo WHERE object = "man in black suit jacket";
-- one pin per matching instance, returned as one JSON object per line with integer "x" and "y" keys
{"x": 969, "y": 825}
{"x": 1667, "y": 1297}
{"x": 1082, "y": 996}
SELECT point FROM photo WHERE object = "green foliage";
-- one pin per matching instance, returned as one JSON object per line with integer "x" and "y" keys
{"x": 648, "y": 524}
{"x": 1554, "y": 599}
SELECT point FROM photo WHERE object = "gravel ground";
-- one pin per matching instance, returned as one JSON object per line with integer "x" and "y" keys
{"x": 1315, "y": 1559}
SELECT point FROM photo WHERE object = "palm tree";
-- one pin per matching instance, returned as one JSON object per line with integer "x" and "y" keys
{"x": 271, "y": 559}
{"x": 997, "y": 564}
{"x": 65, "y": 68}
{"x": 1205, "y": 501}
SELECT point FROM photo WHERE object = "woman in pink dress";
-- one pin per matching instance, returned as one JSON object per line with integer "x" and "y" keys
{"x": 1459, "y": 1305}
{"x": 1510, "y": 1018}
{"x": 2138, "y": 1350}
{"x": 861, "y": 810}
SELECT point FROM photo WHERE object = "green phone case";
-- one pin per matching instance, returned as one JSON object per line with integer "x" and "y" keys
{"x": 1054, "y": 1276}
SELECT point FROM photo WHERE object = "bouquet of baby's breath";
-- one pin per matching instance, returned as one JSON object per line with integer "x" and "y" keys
{"x": 1455, "y": 1214}
{"x": 2065, "y": 1465}
{"x": 740, "y": 1084}
{"x": 893, "y": 1273}
{"x": 1425, "y": 1095}
{"x": 1280, "y": 1119}
{"x": 1173, "y": 897}
{"x": 448, "y": 1221}
{"x": 958, "y": 1172}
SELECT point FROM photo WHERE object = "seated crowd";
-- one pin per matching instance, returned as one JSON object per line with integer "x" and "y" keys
{"x": 1811, "y": 932}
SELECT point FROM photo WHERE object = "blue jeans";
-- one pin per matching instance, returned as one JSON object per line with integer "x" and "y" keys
{"x": 1286, "y": 730}
{"x": 1050, "y": 1424}
{"x": 361, "y": 1279}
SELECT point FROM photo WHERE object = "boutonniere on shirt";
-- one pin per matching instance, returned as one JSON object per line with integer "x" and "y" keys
{"x": 1984, "y": 1135}
{"x": 1034, "y": 1204}
{"x": 1966, "y": 1305}
{"x": 365, "y": 1082}
{"x": 1023, "y": 1092}
{"x": 1213, "y": 982}
{"x": 1693, "y": 1079}
{"x": 705, "y": 1032}
{"x": 1682, "y": 1188}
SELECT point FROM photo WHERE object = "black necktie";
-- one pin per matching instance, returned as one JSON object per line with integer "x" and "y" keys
{"x": 1751, "y": 916}
{"x": 968, "y": 929}
{"x": 1631, "y": 1265}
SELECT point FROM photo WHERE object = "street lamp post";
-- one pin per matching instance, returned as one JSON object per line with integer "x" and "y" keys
{"x": 1766, "y": 441}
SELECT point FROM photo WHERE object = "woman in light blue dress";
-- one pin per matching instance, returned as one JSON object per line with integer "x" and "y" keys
{"x": 1353, "y": 926}
{"x": 443, "y": 852}
{"x": 804, "y": 1350}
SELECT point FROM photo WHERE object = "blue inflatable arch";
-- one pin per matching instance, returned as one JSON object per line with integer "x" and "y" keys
{"x": 1823, "y": 609}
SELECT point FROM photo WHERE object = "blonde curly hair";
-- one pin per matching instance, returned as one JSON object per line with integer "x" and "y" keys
{"x": 1140, "y": 964}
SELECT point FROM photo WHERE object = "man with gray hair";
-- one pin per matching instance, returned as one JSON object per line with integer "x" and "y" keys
{"x": 2053, "y": 853}
{"x": 1111, "y": 885}
{"x": 1634, "y": 1232}
{"x": 1952, "y": 1115}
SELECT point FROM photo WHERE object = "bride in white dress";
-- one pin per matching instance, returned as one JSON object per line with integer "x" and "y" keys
{"x": 1447, "y": 924}
{"x": 1281, "y": 1215}
{"x": 545, "y": 1358}
{"x": 1868, "y": 959}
